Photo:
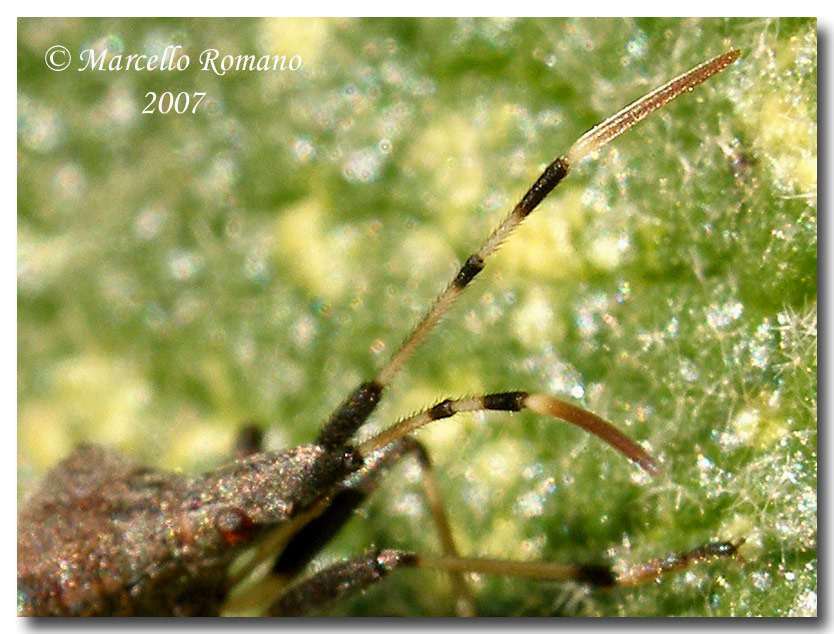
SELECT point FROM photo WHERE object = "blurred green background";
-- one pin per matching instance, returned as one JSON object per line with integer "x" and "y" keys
{"x": 179, "y": 275}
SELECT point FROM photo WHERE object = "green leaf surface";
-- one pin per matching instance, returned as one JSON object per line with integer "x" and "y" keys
{"x": 181, "y": 274}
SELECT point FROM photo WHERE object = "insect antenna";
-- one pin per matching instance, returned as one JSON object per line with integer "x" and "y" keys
{"x": 589, "y": 142}
{"x": 635, "y": 112}
{"x": 514, "y": 402}
{"x": 352, "y": 414}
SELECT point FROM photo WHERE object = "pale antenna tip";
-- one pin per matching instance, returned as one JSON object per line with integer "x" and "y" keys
{"x": 732, "y": 55}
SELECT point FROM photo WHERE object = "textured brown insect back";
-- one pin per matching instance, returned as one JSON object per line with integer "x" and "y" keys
{"x": 104, "y": 535}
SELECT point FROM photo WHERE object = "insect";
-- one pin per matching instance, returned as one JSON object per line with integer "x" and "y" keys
{"x": 103, "y": 535}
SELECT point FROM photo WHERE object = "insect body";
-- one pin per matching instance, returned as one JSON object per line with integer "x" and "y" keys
{"x": 102, "y": 535}
{"x": 122, "y": 539}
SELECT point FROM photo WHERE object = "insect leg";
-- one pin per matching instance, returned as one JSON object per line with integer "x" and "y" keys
{"x": 250, "y": 440}
{"x": 655, "y": 568}
{"x": 338, "y": 581}
{"x": 348, "y": 577}
{"x": 602, "y": 576}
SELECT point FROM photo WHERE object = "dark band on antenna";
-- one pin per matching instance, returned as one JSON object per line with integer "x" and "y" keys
{"x": 505, "y": 401}
{"x": 441, "y": 410}
{"x": 473, "y": 265}
{"x": 551, "y": 177}
{"x": 351, "y": 414}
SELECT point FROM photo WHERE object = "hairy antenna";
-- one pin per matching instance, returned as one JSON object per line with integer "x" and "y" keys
{"x": 634, "y": 113}
{"x": 354, "y": 411}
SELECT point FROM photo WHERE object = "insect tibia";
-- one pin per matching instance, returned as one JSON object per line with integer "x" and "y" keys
{"x": 339, "y": 581}
{"x": 678, "y": 562}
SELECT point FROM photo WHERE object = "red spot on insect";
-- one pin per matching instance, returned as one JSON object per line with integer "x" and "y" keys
{"x": 235, "y": 527}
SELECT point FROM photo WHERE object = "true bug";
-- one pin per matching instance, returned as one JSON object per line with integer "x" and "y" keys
{"x": 104, "y": 535}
